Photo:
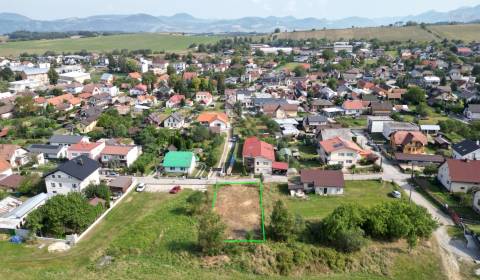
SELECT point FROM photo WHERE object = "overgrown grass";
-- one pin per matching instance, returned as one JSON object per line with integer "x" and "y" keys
{"x": 352, "y": 122}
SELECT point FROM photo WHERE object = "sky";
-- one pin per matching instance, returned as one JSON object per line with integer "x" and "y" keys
{"x": 228, "y": 9}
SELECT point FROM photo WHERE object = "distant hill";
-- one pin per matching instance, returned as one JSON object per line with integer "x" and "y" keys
{"x": 10, "y": 22}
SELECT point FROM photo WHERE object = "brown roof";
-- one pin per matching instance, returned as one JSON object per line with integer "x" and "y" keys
{"x": 116, "y": 150}
{"x": 464, "y": 171}
{"x": 419, "y": 158}
{"x": 11, "y": 182}
{"x": 7, "y": 151}
{"x": 406, "y": 137}
{"x": 326, "y": 178}
{"x": 121, "y": 183}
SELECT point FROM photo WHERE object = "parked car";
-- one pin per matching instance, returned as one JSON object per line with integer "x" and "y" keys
{"x": 140, "y": 187}
{"x": 175, "y": 190}
{"x": 116, "y": 195}
{"x": 397, "y": 194}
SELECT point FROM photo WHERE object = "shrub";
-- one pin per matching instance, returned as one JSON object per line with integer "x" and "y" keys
{"x": 282, "y": 224}
{"x": 211, "y": 233}
{"x": 195, "y": 203}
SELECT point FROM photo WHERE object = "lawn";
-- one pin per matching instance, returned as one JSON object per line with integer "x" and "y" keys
{"x": 366, "y": 193}
{"x": 153, "y": 41}
{"x": 352, "y": 122}
{"x": 150, "y": 237}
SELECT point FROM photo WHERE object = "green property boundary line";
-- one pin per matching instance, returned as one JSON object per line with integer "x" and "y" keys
{"x": 260, "y": 185}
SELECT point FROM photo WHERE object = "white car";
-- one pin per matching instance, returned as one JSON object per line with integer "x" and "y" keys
{"x": 397, "y": 194}
{"x": 140, "y": 187}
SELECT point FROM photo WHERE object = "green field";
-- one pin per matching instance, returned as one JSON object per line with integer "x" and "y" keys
{"x": 153, "y": 41}
{"x": 150, "y": 237}
{"x": 366, "y": 193}
{"x": 466, "y": 32}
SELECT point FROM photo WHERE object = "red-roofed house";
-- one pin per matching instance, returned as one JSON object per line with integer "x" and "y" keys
{"x": 259, "y": 157}
{"x": 135, "y": 76}
{"x": 175, "y": 101}
{"x": 214, "y": 120}
{"x": 187, "y": 76}
{"x": 120, "y": 156}
{"x": 91, "y": 150}
{"x": 409, "y": 142}
{"x": 353, "y": 107}
{"x": 459, "y": 175}
{"x": 339, "y": 151}
{"x": 464, "y": 51}
{"x": 139, "y": 89}
{"x": 204, "y": 97}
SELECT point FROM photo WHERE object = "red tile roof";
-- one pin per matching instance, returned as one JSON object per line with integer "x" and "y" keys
{"x": 212, "y": 116}
{"x": 353, "y": 105}
{"x": 338, "y": 143}
{"x": 279, "y": 165}
{"x": 85, "y": 147}
{"x": 116, "y": 150}
{"x": 406, "y": 137}
{"x": 464, "y": 171}
{"x": 253, "y": 147}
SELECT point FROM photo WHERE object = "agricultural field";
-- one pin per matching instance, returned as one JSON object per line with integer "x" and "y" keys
{"x": 149, "y": 234}
{"x": 154, "y": 41}
{"x": 239, "y": 207}
{"x": 465, "y": 32}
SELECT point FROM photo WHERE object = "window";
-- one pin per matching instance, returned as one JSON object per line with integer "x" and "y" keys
{"x": 265, "y": 163}
{"x": 341, "y": 154}
{"x": 350, "y": 154}
{"x": 258, "y": 163}
{"x": 183, "y": 168}
{"x": 60, "y": 185}
{"x": 53, "y": 176}
{"x": 74, "y": 186}
{"x": 349, "y": 161}
{"x": 53, "y": 185}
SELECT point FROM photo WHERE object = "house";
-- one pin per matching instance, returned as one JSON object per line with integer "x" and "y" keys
{"x": 204, "y": 97}
{"x": 66, "y": 140}
{"x": 93, "y": 89}
{"x": 353, "y": 107}
{"x": 408, "y": 142}
{"x": 15, "y": 217}
{"x": 259, "y": 157}
{"x": 375, "y": 123}
{"x": 458, "y": 175}
{"x": 280, "y": 111}
{"x": 342, "y": 152}
{"x": 73, "y": 176}
{"x": 135, "y": 76}
{"x": 381, "y": 108}
{"x": 216, "y": 121}
{"x": 116, "y": 156}
{"x": 175, "y": 101}
{"x": 139, "y": 89}
{"x": 120, "y": 184}
{"x": 15, "y": 155}
{"x": 312, "y": 121}
{"x": 322, "y": 182}
{"x": 473, "y": 112}
{"x": 319, "y": 104}
{"x": 430, "y": 129}
{"x": 106, "y": 78}
{"x": 11, "y": 183}
{"x": 179, "y": 162}
{"x": 49, "y": 151}
{"x": 6, "y": 110}
{"x": 5, "y": 168}
{"x": 91, "y": 150}
{"x": 391, "y": 127}
{"x": 175, "y": 121}
{"x": 467, "y": 149}
{"x": 74, "y": 88}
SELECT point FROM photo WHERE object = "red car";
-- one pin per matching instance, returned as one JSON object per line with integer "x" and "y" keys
{"x": 175, "y": 189}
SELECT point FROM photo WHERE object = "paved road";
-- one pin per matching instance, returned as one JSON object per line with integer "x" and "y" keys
{"x": 227, "y": 146}
{"x": 165, "y": 184}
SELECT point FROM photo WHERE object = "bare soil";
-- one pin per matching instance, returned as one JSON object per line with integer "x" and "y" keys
{"x": 239, "y": 207}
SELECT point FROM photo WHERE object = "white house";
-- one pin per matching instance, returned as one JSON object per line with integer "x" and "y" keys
{"x": 180, "y": 162}
{"x": 175, "y": 121}
{"x": 459, "y": 175}
{"x": 73, "y": 176}
{"x": 204, "y": 97}
{"x": 91, "y": 150}
{"x": 71, "y": 77}
{"x": 214, "y": 120}
{"x": 323, "y": 182}
{"x": 117, "y": 156}
{"x": 375, "y": 123}
{"x": 339, "y": 151}
{"x": 473, "y": 112}
{"x": 467, "y": 149}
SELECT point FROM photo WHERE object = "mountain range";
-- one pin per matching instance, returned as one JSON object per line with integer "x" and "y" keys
{"x": 10, "y": 22}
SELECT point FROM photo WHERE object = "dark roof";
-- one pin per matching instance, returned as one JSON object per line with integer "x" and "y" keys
{"x": 45, "y": 149}
{"x": 271, "y": 101}
{"x": 122, "y": 183}
{"x": 317, "y": 119}
{"x": 321, "y": 102}
{"x": 323, "y": 178}
{"x": 381, "y": 106}
{"x": 419, "y": 158}
{"x": 67, "y": 139}
{"x": 465, "y": 147}
{"x": 80, "y": 167}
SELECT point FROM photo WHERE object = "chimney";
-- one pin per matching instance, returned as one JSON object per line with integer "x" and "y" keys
{"x": 80, "y": 161}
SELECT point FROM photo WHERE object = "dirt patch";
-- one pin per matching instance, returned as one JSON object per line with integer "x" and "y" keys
{"x": 239, "y": 207}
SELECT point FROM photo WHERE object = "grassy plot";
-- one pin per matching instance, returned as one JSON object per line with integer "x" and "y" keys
{"x": 365, "y": 193}
{"x": 153, "y": 41}
{"x": 150, "y": 237}
{"x": 352, "y": 122}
